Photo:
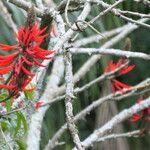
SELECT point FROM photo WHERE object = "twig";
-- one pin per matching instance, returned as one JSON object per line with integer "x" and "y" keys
{"x": 123, "y": 115}
{"x": 104, "y": 76}
{"x": 54, "y": 80}
{"x": 119, "y": 135}
{"x": 114, "y": 96}
{"x": 37, "y": 118}
{"x": 66, "y": 14}
{"x": 13, "y": 111}
{"x": 26, "y": 5}
{"x": 115, "y": 52}
{"x": 8, "y": 18}
{"x": 96, "y": 38}
{"x": 117, "y": 13}
{"x": 145, "y": 2}
{"x": 39, "y": 4}
{"x": 134, "y": 14}
{"x": 108, "y": 9}
{"x": 87, "y": 24}
{"x": 92, "y": 60}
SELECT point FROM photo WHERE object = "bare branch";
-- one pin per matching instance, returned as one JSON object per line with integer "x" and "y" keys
{"x": 92, "y": 60}
{"x": 26, "y": 5}
{"x": 114, "y": 96}
{"x": 103, "y": 77}
{"x": 123, "y": 115}
{"x": 108, "y": 9}
{"x": 135, "y": 14}
{"x": 120, "y": 135}
{"x": 39, "y": 4}
{"x": 8, "y": 18}
{"x": 69, "y": 100}
{"x": 115, "y": 52}
{"x": 97, "y": 37}
{"x": 37, "y": 118}
{"x": 145, "y": 2}
{"x": 117, "y": 13}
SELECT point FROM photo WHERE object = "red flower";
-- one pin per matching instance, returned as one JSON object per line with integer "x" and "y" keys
{"x": 117, "y": 85}
{"x": 143, "y": 115}
{"x": 19, "y": 64}
{"x": 38, "y": 104}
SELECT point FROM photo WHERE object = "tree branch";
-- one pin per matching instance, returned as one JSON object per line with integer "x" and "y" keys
{"x": 120, "y": 135}
{"x": 115, "y": 52}
{"x": 114, "y": 96}
{"x": 69, "y": 100}
{"x": 123, "y": 115}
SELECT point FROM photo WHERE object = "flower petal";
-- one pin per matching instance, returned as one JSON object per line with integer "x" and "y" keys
{"x": 28, "y": 73}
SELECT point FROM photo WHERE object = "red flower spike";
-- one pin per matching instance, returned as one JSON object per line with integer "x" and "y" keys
{"x": 21, "y": 62}
{"x": 113, "y": 66}
{"x": 38, "y": 104}
{"x": 117, "y": 85}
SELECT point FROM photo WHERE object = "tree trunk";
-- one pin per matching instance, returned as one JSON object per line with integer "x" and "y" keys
{"x": 104, "y": 113}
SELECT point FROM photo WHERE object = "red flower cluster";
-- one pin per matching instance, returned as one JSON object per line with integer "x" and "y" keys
{"x": 117, "y": 85}
{"x": 19, "y": 64}
{"x": 143, "y": 115}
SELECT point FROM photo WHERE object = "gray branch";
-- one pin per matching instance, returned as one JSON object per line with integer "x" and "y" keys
{"x": 69, "y": 100}
{"x": 123, "y": 115}
{"x": 115, "y": 52}
{"x": 114, "y": 96}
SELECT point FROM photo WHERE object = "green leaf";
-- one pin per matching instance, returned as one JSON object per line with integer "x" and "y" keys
{"x": 24, "y": 122}
{"x": 21, "y": 144}
{"x": 4, "y": 125}
{"x": 18, "y": 124}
